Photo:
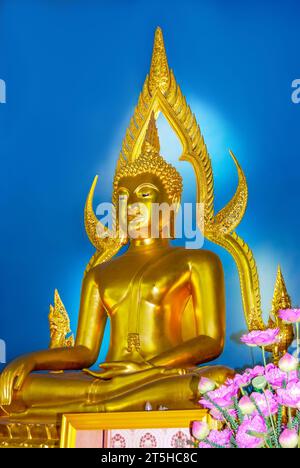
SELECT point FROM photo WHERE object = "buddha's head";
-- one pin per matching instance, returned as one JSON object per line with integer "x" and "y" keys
{"x": 147, "y": 191}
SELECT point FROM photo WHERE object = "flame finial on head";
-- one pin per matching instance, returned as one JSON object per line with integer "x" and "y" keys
{"x": 151, "y": 141}
{"x": 148, "y": 162}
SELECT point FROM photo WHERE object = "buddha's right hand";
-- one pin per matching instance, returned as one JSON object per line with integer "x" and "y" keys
{"x": 13, "y": 377}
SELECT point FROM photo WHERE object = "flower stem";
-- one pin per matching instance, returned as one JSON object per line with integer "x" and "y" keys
{"x": 264, "y": 356}
{"x": 297, "y": 337}
{"x": 260, "y": 412}
{"x": 272, "y": 420}
{"x": 297, "y": 417}
{"x": 279, "y": 421}
{"x": 238, "y": 410}
{"x": 290, "y": 417}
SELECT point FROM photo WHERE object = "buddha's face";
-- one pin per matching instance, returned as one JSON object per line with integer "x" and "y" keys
{"x": 139, "y": 200}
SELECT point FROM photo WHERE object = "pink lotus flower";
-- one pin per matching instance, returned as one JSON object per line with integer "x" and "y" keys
{"x": 266, "y": 402}
{"x": 290, "y": 396}
{"x": 242, "y": 380}
{"x": 246, "y": 441}
{"x": 245, "y": 379}
{"x": 289, "y": 439}
{"x": 221, "y": 438}
{"x": 290, "y": 315}
{"x": 257, "y": 371}
{"x": 261, "y": 338}
{"x": 221, "y": 396}
{"x": 276, "y": 377}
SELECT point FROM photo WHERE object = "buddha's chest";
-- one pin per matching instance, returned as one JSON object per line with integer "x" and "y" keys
{"x": 140, "y": 284}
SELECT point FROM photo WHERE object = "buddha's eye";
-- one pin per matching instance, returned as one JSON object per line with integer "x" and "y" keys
{"x": 146, "y": 192}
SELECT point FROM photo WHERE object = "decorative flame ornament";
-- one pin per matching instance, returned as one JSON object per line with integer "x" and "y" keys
{"x": 161, "y": 93}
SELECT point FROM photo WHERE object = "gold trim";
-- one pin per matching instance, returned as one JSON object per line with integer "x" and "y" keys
{"x": 71, "y": 423}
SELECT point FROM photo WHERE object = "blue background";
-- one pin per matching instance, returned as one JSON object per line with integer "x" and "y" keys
{"x": 73, "y": 72}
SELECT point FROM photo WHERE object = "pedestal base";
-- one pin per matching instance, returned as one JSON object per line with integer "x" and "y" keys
{"x": 15, "y": 434}
{"x": 92, "y": 430}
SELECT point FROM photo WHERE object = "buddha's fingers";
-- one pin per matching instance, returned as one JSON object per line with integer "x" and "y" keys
{"x": 112, "y": 365}
{"x": 3, "y": 390}
{"x": 2, "y": 399}
{"x": 6, "y": 385}
{"x": 98, "y": 375}
{"x": 111, "y": 369}
{"x": 20, "y": 380}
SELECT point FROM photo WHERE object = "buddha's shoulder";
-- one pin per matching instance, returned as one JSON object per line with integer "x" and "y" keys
{"x": 179, "y": 256}
{"x": 103, "y": 268}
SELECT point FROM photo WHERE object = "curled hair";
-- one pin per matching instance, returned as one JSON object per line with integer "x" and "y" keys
{"x": 153, "y": 164}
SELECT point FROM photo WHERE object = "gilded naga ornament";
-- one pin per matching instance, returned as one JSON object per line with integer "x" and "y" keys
{"x": 59, "y": 324}
{"x": 281, "y": 300}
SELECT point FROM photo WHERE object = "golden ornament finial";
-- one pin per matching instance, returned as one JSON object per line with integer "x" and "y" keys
{"x": 159, "y": 76}
{"x": 151, "y": 141}
{"x": 59, "y": 323}
{"x": 281, "y": 298}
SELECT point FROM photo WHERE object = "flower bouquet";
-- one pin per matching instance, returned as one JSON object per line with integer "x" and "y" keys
{"x": 259, "y": 408}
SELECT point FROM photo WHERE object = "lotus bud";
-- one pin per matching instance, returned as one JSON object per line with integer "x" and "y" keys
{"x": 206, "y": 385}
{"x": 288, "y": 363}
{"x": 246, "y": 405}
{"x": 200, "y": 430}
{"x": 289, "y": 439}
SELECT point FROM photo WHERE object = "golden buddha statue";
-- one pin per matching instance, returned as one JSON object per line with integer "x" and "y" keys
{"x": 166, "y": 305}
{"x": 154, "y": 349}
